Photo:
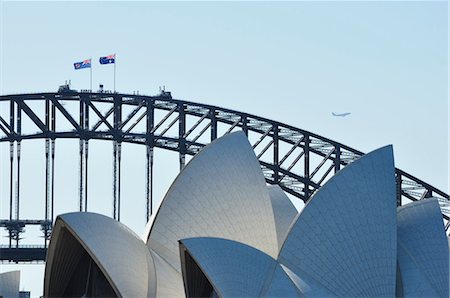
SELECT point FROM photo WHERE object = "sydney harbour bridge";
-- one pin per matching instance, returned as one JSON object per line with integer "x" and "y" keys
{"x": 298, "y": 161}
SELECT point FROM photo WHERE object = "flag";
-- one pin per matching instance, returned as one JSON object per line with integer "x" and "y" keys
{"x": 108, "y": 59}
{"x": 82, "y": 64}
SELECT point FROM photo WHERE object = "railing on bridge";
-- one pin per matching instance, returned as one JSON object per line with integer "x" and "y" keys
{"x": 23, "y": 253}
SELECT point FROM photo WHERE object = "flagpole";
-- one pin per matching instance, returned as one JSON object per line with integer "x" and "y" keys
{"x": 115, "y": 61}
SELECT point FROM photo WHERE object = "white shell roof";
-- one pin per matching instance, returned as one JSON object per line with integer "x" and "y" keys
{"x": 353, "y": 253}
{"x": 307, "y": 286}
{"x": 281, "y": 285}
{"x": 10, "y": 284}
{"x": 235, "y": 269}
{"x": 220, "y": 193}
{"x": 121, "y": 255}
{"x": 169, "y": 282}
{"x": 284, "y": 212}
{"x": 423, "y": 252}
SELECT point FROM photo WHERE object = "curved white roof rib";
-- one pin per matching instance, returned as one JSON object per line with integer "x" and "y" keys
{"x": 307, "y": 286}
{"x": 423, "y": 252}
{"x": 282, "y": 285}
{"x": 10, "y": 284}
{"x": 284, "y": 212}
{"x": 234, "y": 269}
{"x": 353, "y": 255}
{"x": 169, "y": 282}
{"x": 220, "y": 193}
{"x": 121, "y": 256}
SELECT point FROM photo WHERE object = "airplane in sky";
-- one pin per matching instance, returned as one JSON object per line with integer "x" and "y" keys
{"x": 340, "y": 115}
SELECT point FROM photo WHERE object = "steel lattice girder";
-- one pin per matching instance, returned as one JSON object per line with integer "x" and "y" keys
{"x": 309, "y": 160}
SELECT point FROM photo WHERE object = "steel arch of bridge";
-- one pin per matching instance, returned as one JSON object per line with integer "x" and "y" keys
{"x": 306, "y": 162}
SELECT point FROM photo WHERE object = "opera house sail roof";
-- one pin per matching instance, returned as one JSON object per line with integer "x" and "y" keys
{"x": 220, "y": 231}
{"x": 9, "y": 284}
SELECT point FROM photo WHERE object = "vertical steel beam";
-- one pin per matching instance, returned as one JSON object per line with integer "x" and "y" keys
{"x": 244, "y": 124}
{"x": 212, "y": 116}
{"x": 81, "y": 176}
{"x": 337, "y": 159}
{"x": 116, "y": 144}
{"x": 18, "y": 148}
{"x": 181, "y": 132}
{"x": 275, "y": 153}
{"x": 11, "y": 184}
{"x": 52, "y": 171}
{"x": 306, "y": 166}
{"x": 11, "y": 179}
{"x": 119, "y": 159}
{"x": 149, "y": 183}
{"x": 150, "y": 113}
{"x": 81, "y": 134}
{"x": 114, "y": 179}
{"x": 18, "y": 189}
{"x": 86, "y": 153}
{"x": 398, "y": 184}
{"x": 11, "y": 168}
{"x": 47, "y": 169}
{"x": 118, "y": 135}
{"x": 53, "y": 128}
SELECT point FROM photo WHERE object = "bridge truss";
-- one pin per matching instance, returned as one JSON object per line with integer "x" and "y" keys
{"x": 297, "y": 160}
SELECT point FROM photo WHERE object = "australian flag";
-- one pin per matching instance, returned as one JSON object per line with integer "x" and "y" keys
{"x": 82, "y": 64}
{"x": 108, "y": 59}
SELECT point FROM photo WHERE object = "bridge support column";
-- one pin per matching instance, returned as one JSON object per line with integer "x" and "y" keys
{"x": 81, "y": 178}
{"x": 47, "y": 171}
{"x": 276, "y": 177}
{"x": 11, "y": 184}
{"x": 83, "y": 156}
{"x": 119, "y": 162}
{"x": 117, "y": 148}
{"x": 398, "y": 182}
{"x": 52, "y": 194}
{"x": 115, "y": 179}
{"x": 18, "y": 149}
{"x": 337, "y": 160}
{"x": 47, "y": 187}
{"x": 11, "y": 168}
{"x": 149, "y": 182}
{"x": 212, "y": 116}
{"x": 181, "y": 132}
{"x": 86, "y": 151}
{"x": 244, "y": 125}
{"x": 306, "y": 169}
{"x": 150, "y": 113}
{"x": 117, "y": 158}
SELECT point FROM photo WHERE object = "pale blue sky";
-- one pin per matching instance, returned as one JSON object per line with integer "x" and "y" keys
{"x": 295, "y": 62}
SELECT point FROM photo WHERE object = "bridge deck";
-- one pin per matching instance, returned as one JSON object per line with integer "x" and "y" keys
{"x": 23, "y": 254}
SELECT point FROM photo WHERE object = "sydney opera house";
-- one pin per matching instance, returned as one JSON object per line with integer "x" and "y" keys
{"x": 9, "y": 284}
{"x": 220, "y": 231}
